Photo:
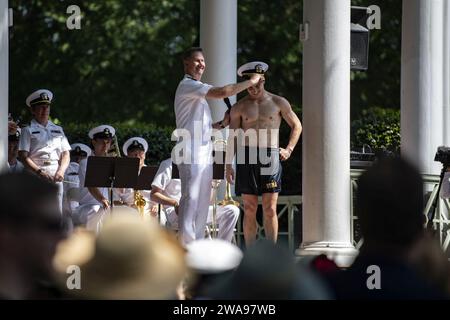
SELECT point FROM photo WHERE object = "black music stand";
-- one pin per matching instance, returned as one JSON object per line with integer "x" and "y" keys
{"x": 111, "y": 172}
{"x": 145, "y": 179}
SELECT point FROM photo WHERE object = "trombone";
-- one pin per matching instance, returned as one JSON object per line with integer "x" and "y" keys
{"x": 228, "y": 200}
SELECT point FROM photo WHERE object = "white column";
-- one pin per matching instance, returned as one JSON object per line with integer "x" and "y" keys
{"x": 218, "y": 38}
{"x": 4, "y": 83}
{"x": 422, "y": 77}
{"x": 326, "y": 135}
{"x": 446, "y": 69}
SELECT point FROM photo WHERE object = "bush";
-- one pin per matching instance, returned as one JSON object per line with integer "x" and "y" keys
{"x": 377, "y": 127}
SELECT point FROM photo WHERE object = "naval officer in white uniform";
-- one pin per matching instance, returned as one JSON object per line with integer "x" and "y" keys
{"x": 94, "y": 202}
{"x": 43, "y": 146}
{"x": 192, "y": 111}
{"x": 167, "y": 192}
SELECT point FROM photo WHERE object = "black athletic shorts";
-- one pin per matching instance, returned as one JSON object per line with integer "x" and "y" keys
{"x": 258, "y": 171}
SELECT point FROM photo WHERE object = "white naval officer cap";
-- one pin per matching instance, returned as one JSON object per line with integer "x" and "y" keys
{"x": 207, "y": 256}
{"x": 135, "y": 143}
{"x": 41, "y": 96}
{"x": 103, "y": 131}
{"x": 258, "y": 67}
{"x": 78, "y": 148}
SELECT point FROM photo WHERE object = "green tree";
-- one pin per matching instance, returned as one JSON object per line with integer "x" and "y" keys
{"x": 380, "y": 85}
{"x": 122, "y": 64}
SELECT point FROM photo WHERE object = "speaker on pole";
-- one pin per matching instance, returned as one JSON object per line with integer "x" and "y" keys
{"x": 359, "y": 53}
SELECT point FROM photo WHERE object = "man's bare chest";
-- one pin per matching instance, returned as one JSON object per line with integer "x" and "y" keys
{"x": 267, "y": 112}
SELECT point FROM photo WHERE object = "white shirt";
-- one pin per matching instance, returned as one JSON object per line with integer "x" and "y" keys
{"x": 71, "y": 175}
{"x": 17, "y": 167}
{"x": 43, "y": 143}
{"x": 191, "y": 108}
{"x": 163, "y": 180}
{"x": 85, "y": 196}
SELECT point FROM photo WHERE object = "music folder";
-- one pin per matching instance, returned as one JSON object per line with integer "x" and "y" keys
{"x": 111, "y": 172}
{"x": 145, "y": 178}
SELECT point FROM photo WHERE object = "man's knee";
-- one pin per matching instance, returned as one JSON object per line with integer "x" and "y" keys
{"x": 251, "y": 207}
{"x": 270, "y": 212}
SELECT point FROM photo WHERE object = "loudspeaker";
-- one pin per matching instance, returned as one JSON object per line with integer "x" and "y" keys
{"x": 359, "y": 53}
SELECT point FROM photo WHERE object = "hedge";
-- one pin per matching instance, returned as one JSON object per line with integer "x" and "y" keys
{"x": 377, "y": 127}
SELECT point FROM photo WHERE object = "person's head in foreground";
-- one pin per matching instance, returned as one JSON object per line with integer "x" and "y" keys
{"x": 130, "y": 259}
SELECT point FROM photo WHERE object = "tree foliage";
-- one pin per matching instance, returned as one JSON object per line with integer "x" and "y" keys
{"x": 122, "y": 64}
{"x": 380, "y": 85}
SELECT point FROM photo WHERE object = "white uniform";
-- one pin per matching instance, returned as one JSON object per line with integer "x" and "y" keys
{"x": 17, "y": 167}
{"x": 45, "y": 144}
{"x": 90, "y": 210}
{"x": 227, "y": 216}
{"x": 193, "y": 115}
{"x": 71, "y": 188}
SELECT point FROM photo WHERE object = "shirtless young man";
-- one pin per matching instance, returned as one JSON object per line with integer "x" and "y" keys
{"x": 259, "y": 116}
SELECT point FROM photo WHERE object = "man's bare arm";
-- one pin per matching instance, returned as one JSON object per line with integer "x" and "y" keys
{"x": 158, "y": 196}
{"x": 232, "y": 89}
{"x": 293, "y": 121}
{"x": 95, "y": 192}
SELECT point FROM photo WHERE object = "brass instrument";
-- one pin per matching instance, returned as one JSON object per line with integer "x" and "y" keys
{"x": 140, "y": 203}
{"x": 228, "y": 200}
{"x": 114, "y": 151}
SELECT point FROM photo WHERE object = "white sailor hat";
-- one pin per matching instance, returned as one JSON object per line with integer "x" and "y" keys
{"x": 135, "y": 143}
{"x": 253, "y": 67}
{"x": 41, "y": 96}
{"x": 103, "y": 131}
{"x": 78, "y": 148}
{"x": 212, "y": 256}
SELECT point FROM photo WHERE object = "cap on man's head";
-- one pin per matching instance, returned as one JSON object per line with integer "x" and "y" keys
{"x": 15, "y": 136}
{"x": 39, "y": 97}
{"x": 102, "y": 132}
{"x": 80, "y": 149}
{"x": 134, "y": 143}
{"x": 249, "y": 68}
{"x": 212, "y": 256}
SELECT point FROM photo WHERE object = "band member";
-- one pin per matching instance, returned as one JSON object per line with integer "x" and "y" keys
{"x": 137, "y": 147}
{"x": 167, "y": 192}
{"x": 79, "y": 152}
{"x": 13, "y": 151}
{"x": 43, "y": 147}
{"x": 192, "y": 111}
{"x": 94, "y": 202}
{"x": 260, "y": 112}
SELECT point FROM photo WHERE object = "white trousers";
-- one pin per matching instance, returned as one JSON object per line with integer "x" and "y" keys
{"x": 196, "y": 183}
{"x": 227, "y": 217}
